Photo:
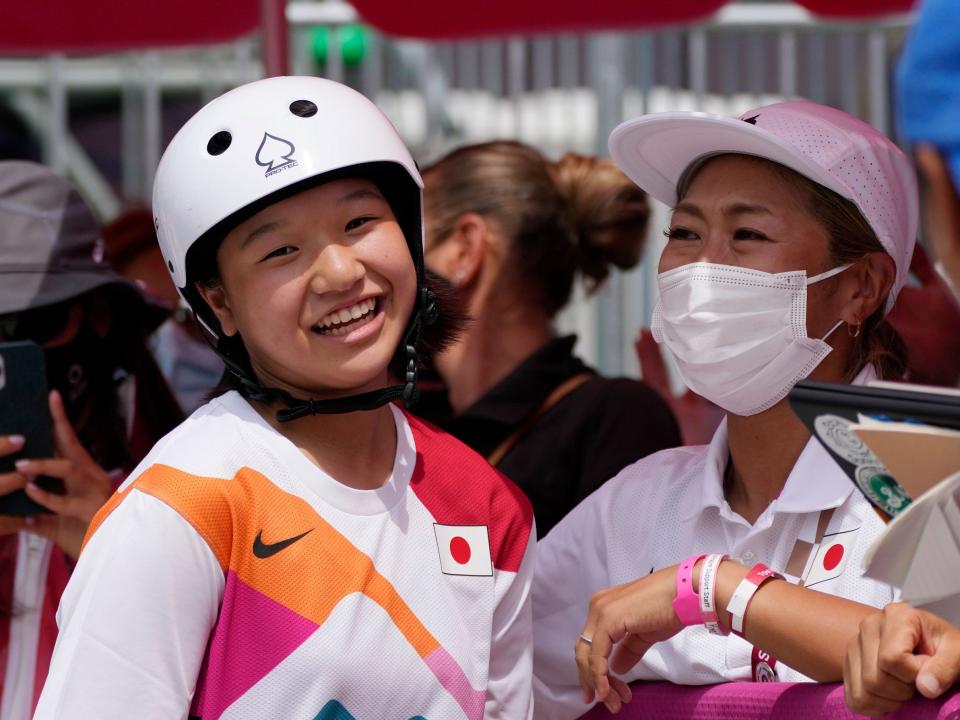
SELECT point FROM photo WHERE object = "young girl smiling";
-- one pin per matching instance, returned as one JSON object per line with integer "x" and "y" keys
{"x": 300, "y": 547}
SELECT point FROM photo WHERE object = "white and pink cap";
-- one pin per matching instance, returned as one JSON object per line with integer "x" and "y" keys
{"x": 821, "y": 143}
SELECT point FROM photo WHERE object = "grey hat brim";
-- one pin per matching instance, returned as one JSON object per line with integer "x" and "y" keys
{"x": 21, "y": 291}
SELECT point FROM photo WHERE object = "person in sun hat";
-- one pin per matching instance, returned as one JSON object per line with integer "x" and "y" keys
{"x": 791, "y": 234}
{"x": 56, "y": 290}
{"x": 903, "y": 650}
{"x": 301, "y": 546}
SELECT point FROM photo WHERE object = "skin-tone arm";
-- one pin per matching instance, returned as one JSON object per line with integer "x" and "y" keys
{"x": 87, "y": 485}
{"x": 941, "y": 210}
{"x": 898, "y": 651}
{"x": 781, "y": 620}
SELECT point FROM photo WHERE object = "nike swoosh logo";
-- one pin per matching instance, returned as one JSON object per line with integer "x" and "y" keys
{"x": 263, "y": 551}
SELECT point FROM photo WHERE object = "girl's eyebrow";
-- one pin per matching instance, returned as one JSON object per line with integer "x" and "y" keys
{"x": 261, "y": 230}
{"x": 360, "y": 194}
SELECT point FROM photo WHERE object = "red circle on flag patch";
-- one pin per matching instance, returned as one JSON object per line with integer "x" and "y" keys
{"x": 460, "y": 550}
{"x": 833, "y": 557}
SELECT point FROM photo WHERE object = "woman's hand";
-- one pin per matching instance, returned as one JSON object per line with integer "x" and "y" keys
{"x": 898, "y": 650}
{"x": 87, "y": 486}
{"x": 633, "y": 616}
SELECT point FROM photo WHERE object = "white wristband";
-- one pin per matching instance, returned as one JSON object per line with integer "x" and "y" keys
{"x": 740, "y": 600}
{"x": 708, "y": 594}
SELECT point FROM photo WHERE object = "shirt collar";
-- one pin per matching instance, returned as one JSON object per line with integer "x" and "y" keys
{"x": 815, "y": 483}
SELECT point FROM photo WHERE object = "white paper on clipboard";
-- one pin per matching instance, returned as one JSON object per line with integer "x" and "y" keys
{"x": 919, "y": 552}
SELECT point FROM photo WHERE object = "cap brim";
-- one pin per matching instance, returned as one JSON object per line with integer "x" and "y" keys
{"x": 21, "y": 291}
{"x": 654, "y": 150}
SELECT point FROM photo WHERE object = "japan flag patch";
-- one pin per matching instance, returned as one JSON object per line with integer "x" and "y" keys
{"x": 464, "y": 549}
{"x": 829, "y": 558}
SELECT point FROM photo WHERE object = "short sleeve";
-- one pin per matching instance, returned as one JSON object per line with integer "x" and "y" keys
{"x": 135, "y": 618}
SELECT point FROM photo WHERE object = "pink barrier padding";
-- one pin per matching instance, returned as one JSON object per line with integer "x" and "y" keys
{"x": 760, "y": 701}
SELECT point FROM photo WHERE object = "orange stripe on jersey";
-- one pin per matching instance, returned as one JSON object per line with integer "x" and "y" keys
{"x": 302, "y": 562}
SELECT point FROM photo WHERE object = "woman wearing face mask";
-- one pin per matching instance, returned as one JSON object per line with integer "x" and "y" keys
{"x": 513, "y": 230}
{"x": 791, "y": 235}
{"x": 301, "y": 546}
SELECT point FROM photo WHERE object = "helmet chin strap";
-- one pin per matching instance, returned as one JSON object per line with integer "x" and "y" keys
{"x": 425, "y": 313}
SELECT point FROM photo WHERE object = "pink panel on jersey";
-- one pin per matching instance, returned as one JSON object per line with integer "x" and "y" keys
{"x": 237, "y": 656}
{"x": 452, "y": 677}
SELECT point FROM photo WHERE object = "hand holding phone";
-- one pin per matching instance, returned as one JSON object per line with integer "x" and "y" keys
{"x": 86, "y": 486}
{"x": 24, "y": 421}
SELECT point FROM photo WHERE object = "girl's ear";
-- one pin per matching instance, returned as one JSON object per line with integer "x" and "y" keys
{"x": 215, "y": 296}
{"x": 872, "y": 278}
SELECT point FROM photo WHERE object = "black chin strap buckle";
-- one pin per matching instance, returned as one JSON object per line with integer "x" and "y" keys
{"x": 410, "y": 393}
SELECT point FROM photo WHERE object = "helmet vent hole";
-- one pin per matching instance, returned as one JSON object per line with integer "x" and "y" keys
{"x": 219, "y": 143}
{"x": 170, "y": 265}
{"x": 303, "y": 108}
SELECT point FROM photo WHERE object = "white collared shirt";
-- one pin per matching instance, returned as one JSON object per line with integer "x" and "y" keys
{"x": 654, "y": 514}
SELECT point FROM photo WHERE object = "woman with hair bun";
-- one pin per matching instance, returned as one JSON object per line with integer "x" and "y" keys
{"x": 512, "y": 231}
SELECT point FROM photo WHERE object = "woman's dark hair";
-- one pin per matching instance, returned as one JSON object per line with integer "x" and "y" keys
{"x": 851, "y": 238}
{"x": 577, "y": 215}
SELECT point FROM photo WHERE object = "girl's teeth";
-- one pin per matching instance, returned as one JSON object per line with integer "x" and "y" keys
{"x": 331, "y": 324}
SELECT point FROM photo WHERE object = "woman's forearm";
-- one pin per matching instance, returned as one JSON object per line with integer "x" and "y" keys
{"x": 805, "y": 629}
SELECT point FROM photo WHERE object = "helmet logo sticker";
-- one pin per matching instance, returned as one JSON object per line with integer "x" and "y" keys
{"x": 275, "y": 154}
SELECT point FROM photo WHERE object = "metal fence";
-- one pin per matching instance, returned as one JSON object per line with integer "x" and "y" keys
{"x": 559, "y": 93}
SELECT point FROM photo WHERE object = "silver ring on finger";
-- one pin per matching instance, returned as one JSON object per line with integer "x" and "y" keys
{"x": 585, "y": 638}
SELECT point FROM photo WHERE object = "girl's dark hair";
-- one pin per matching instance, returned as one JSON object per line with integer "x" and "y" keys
{"x": 577, "y": 215}
{"x": 851, "y": 238}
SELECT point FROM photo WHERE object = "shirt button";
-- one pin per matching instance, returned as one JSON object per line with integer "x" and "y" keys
{"x": 749, "y": 557}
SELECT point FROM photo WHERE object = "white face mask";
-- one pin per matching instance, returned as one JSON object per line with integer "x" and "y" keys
{"x": 739, "y": 335}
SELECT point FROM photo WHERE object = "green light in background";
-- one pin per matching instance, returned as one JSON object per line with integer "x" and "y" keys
{"x": 352, "y": 40}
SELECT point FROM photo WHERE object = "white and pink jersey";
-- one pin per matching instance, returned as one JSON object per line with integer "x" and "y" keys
{"x": 232, "y": 578}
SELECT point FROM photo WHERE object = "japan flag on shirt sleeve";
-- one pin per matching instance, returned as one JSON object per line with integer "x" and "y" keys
{"x": 464, "y": 549}
{"x": 830, "y": 557}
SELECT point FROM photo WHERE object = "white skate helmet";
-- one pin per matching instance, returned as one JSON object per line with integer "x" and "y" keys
{"x": 256, "y": 145}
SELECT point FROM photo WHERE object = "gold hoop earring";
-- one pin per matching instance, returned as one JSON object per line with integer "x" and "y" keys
{"x": 855, "y": 333}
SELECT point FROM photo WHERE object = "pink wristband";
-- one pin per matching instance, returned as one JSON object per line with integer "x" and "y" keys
{"x": 708, "y": 595}
{"x": 686, "y": 604}
{"x": 743, "y": 595}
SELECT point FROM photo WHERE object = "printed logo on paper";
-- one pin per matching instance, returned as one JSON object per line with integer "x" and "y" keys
{"x": 836, "y": 434}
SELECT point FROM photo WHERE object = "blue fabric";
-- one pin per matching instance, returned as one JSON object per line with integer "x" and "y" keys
{"x": 928, "y": 82}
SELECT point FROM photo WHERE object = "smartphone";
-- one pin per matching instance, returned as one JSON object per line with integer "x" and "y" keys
{"x": 24, "y": 410}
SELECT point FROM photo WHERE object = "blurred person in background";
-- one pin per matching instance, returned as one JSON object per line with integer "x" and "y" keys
{"x": 928, "y": 108}
{"x": 190, "y": 366}
{"x": 108, "y": 404}
{"x": 902, "y": 650}
{"x": 513, "y": 231}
